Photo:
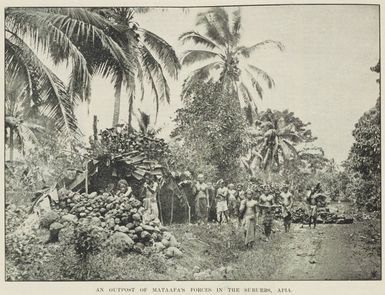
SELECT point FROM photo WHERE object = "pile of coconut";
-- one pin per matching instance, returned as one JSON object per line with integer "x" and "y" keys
{"x": 120, "y": 216}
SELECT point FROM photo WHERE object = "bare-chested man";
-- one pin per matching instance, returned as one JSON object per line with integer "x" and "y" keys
{"x": 247, "y": 211}
{"x": 312, "y": 201}
{"x": 266, "y": 204}
{"x": 286, "y": 200}
{"x": 221, "y": 199}
{"x": 232, "y": 201}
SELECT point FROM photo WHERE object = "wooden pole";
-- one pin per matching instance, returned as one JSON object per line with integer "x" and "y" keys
{"x": 11, "y": 144}
{"x": 160, "y": 206}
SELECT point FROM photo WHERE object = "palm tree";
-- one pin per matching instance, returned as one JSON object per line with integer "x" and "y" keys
{"x": 66, "y": 35}
{"x": 224, "y": 53}
{"x": 152, "y": 57}
{"x": 20, "y": 126}
{"x": 275, "y": 136}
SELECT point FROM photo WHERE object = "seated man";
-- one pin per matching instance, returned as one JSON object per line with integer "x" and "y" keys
{"x": 123, "y": 189}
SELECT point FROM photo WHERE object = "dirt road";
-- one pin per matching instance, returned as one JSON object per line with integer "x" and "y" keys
{"x": 329, "y": 252}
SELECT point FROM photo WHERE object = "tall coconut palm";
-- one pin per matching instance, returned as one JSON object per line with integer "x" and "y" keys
{"x": 151, "y": 54}
{"x": 66, "y": 36}
{"x": 223, "y": 53}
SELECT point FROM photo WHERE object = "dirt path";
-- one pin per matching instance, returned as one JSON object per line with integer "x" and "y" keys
{"x": 323, "y": 253}
{"x": 329, "y": 252}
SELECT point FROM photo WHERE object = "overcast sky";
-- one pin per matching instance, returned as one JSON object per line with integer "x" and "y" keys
{"x": 323, "y": 75}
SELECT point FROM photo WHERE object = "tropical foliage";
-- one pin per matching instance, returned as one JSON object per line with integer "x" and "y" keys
{"x": 363, "y": 165}
{"x": 274, "y": 137}
{"x": 223, "y": 53}
{"x": 21, "y": 124}
{"x": 60, "y": 33}
{"x": 212, "y": 135}
{"x": 210, "y": 125}
{"x": 89, "y": 42}
{"x": 151, "y": 57}
{"x": 43, "y": 165}
{"x": 364, "y": 161}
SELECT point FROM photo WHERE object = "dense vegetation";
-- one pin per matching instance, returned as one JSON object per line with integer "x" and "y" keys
{"x": 219, "y": 132}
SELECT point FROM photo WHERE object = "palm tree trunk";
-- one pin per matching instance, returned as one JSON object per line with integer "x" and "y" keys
{"x": 130, "y": 110}
{"x": 118, "y": 92}
{"x": 95, "y": 128}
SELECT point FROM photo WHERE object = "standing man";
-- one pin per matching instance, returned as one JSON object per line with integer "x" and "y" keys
{"x": 232, "y": 201}
{"x": 312, "y": 202}
{"x": 212, "y": 214}
{"x": 150, "y": 204}
{"x": 247, "y": 211}
{"x": 221, "y": 198}
{"x": 202, "y": 200}
{"x": 286, "y": 200}
{"x": 266, "y": 203}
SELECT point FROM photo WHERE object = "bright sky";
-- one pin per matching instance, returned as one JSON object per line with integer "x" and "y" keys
{"x": 323, "y": 75}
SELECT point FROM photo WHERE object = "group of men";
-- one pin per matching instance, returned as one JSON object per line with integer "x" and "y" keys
{"x": 251, "y": 208}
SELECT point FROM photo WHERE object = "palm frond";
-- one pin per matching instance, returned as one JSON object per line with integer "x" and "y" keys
{"x": 255, "y": 84}
{"x": 285, "y": 129}
{"x": 164, "y": 51}
{"x": 16, "y": 68}
{"x": 57, "y": 103}
{"x": 155, "y": 68}
{"x": 47, "y": 28}
{"x": 264, "y": 75}
{"x": 154, "y": 74}
{"x": 212, "y": 29}
{"x": 236, "y": 27}
{"x": 266, "y": 159}
{"x": 200, "y": 74}
{"x": 193, "y": 56}
{"x": 221, "y": 20}
{"x": 246, "y": 95}
{"x": 287, "y": 148}
{"x": 247, "y": 51}
{"x": 197, "y": 39}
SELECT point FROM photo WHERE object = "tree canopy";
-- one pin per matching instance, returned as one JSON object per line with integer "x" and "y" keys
{"x": 211, "y": 125}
